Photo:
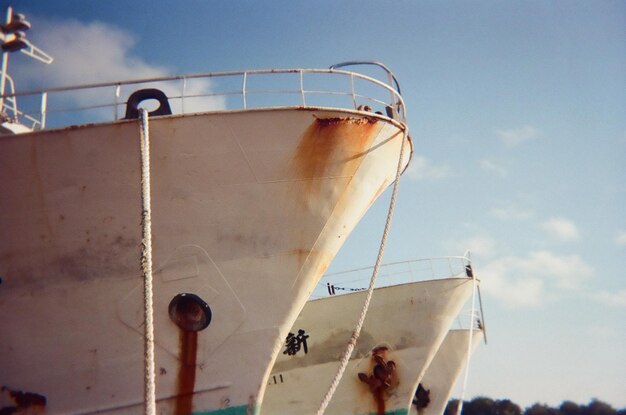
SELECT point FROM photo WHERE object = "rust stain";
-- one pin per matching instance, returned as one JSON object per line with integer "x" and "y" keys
{"x": 22, "y": 402}
{"x": 301, "y": 254}
{"x": 383, "y": 379}
{"x": 320, "y": 261}
{"x": 187, "y": 372}
{"x": 332, "y": 147}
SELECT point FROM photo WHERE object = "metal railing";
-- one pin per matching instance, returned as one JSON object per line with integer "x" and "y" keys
{"x": 394, "y": 273}
{"x": 217, "y": 91}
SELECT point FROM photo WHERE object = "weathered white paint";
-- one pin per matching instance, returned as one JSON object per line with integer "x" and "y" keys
{"x": 411, "y": 320}
{"x": 248, "y": 210}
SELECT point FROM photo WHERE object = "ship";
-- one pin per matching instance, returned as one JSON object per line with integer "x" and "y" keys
{"x": 407, "y": 321}
{"x": 251, "y": 200}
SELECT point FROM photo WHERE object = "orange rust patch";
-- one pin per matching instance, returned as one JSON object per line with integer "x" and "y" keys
{"x": 331, "y": 147}
{"x": 323, "y": 263}
{"x": 301, "y": 254}
{"x": 321, "y": 260}
{"x": 187, "y": 372}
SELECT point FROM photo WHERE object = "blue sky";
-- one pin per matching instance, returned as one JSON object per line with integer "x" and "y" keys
{"x": 517, "y": 111}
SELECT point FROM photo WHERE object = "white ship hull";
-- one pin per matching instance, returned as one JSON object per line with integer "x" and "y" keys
{"x": 445, "y": 369}
{"x": 248, "y": 209}
{"x": 405, "y": 323}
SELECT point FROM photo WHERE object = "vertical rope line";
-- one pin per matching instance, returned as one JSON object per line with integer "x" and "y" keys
{"x": 146, "y": 266}
{"x": 357, "y": 329}
{"x": 459, "y": 407}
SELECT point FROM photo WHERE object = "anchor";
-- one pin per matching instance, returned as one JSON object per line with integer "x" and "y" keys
{"x": 382, "y": 378}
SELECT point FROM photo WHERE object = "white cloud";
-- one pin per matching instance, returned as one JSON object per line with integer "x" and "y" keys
{"x": 567, "y": 271}
{"x": 515, "y": 136}
{"x": 562, "y": 229}
{"x": 511, "y": 212}
{"x": 422, "y": 169}
{"x": 513, "y": 293}
{"x": 620, "y": 238}
{"x": 493, "y": 167}
{"x": 87, "y": 53}
{"x": 616, "y": 299}
{"x": 529, "y": 281}
{"x": 482, "y": 245}
{"x": 94, "y": 53}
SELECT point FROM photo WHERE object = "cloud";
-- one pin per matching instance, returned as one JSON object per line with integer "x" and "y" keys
{"x": 620, "y": 238}
{"x": 528, "y": 281}
{"x": 97, "y": 52}
{"x": 493, "y": 167}
{"x": 561, "y": 229}
{"x": 616, "y": 299}
{"x": 482, "y": 245}
{"x": 89, "y": 52}
{"x": 515, "y": 136}
{"x": 422, "y": 169}
{"x": 511, "y": 212}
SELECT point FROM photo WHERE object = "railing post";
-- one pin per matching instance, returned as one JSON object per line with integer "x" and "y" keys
{"x": 44, "y": 107}
{"x": 394, "y": 107}
{"x": 352, "y": 90}
{"x": 243, "y": 90}
{"x": 302, "y": 88}
{"x": 117, "y": 101}
{"x": 182, "y": 95}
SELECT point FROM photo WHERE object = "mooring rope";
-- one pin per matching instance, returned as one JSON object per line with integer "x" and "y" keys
{"x": 146, "y": 266}
{"x": 357, "y": 329}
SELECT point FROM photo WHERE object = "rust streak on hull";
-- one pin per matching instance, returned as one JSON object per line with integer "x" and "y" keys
{"x": 187, "y": 372}
{"x": 383, "y": 380}
{"x": 328, "y": 146}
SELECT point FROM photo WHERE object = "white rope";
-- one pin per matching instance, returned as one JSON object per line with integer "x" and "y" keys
{"x": 459, "y": 407}
{"x": 146, "y": 266}
{"x": 357, "y": 329}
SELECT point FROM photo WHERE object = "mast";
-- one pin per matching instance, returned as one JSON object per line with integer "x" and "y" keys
{"x": 13, "y": 39}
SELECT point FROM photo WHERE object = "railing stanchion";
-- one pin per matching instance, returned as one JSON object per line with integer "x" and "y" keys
{"x": 243, "y": 90}
{"x": 394, "y": 107}
{"x": 44, "y": 105}
{"x": 182, "y": 95}
{"x": 352, "y": 91}
{"x": 302, "y": 88}
{"x": 117, "y": 101}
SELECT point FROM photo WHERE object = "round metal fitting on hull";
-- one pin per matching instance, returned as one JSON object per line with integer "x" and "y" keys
{"x": 190, "y": 312}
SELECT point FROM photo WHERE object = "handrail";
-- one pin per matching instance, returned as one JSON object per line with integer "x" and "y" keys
{"x": 414, "y": 270}
{"x": 375, "y": 63}
{"x": 392, "y": 273}
{"x": 410, "y": 261}
{"x": 366, "y": 93}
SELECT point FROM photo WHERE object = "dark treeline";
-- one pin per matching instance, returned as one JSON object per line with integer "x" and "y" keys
{"x": 488, "y": 406}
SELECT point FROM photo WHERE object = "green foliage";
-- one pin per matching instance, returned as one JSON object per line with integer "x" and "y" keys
{"x": 487, "y": 406}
